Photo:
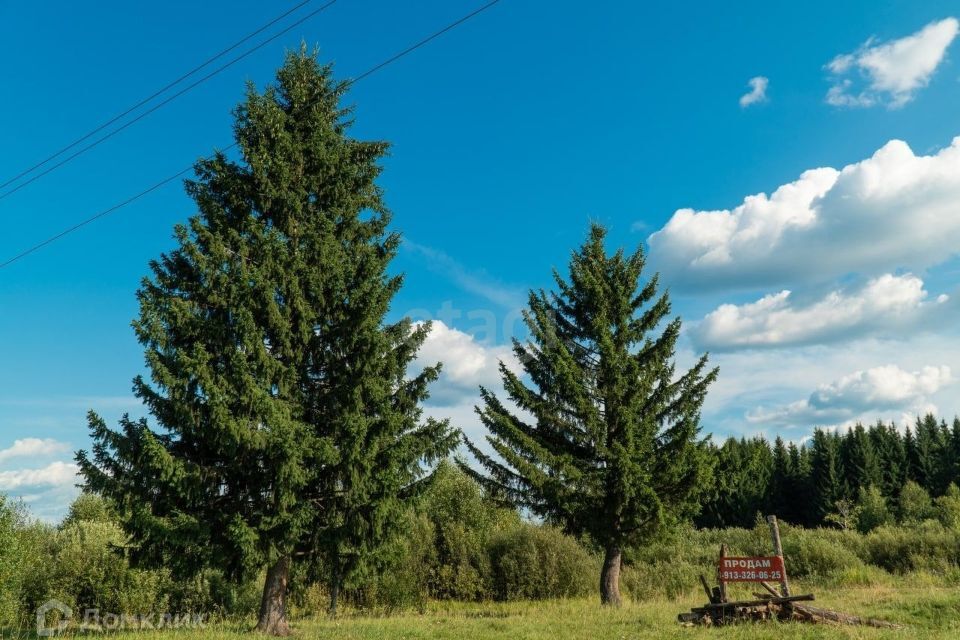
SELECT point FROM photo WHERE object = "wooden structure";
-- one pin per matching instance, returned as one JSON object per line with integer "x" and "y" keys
{"x": 768, "y": 605}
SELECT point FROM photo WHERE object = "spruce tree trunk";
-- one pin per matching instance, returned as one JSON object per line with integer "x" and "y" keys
{"x": 334, "y": 591}
{"x": 610, "y": 577}
{"x": 273, "y": 605}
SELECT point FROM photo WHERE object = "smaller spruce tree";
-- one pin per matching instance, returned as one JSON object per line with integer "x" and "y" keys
{"x": 613, "y": 449}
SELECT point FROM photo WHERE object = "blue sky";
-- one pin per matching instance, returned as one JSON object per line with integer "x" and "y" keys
{"x": 510, "y": 134}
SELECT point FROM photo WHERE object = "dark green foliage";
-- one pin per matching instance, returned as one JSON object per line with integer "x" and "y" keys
{"x": 285, "y": 423}
{"x": 613, "y": 451}
{"x": 930, "y": 453}
{"x": 891, "y": 457}
{"x": 742, "y": 484}
{"x": 828, "y": 475}
{"x": 860, "y": 462}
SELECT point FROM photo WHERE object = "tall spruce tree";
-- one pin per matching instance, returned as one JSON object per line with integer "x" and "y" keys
{"x": 891, "y": 457}
{"x": 860, "y": 462}
{"x": 955, "y": 451}
{"x": 803, "y": 506}
{"x": 286, "y": 426}
{"x": 780, "y": 495}
{"x": 926, "y": 455}
{"x": 826, "y": 472}
{"x": 613, "y": 450}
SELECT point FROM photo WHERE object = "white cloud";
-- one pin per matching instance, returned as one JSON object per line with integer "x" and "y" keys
{"x": 47, "y": 491}
{"x": 33, "y": 447}
{"x": 863, "y": 395}
{"x": 467, "y": 364}
{"x": 893, "y": 210}
{"x": 757, "y": 93}
{"x": 885, "y": 304}
{"x": 53, "y": 475}
{"x": 894, "y": 71}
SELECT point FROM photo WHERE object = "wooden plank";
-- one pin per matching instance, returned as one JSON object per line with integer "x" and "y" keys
{"x": 755, "y": 603}
{"x": 844, "y": 618}
{"x": 723, "y": 585}
{"x": 689, "y": 618}
{"x": 778, "y": 550}
{"x": 706, "y": 588}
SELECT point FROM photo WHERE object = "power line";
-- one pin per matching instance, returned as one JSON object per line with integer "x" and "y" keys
{"x": 149, "y": 98}
{"x": 157, "y": 106}
{"x": 173, "y": 177}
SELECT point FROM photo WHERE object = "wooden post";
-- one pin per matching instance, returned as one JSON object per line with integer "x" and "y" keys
{"x": 706, "y": 588}
{"x": 723, "y": 585}
{"x": 778, "y": 550}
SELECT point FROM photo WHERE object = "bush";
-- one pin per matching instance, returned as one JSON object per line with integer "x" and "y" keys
{"x": 83, "y": 563}
{"x": 927, "y": 546}
{"x": 12, "y": 558}
{"x": 872, "y": 510}
{"x": 89, "y": 507}
{"x": 820, "y": 553}
{"x": 90, "y": 571}
{"x": 663, "y": 579}
{"x": 533, "y": 562}
{"x": 947, "y": 508}
{"x": 463, "y": 522}
{"x": 915, "y": 504}
{"x": 406, "y": 583}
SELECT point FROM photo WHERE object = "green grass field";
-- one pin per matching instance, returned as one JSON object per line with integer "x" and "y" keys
{"x": 925, "y": 611}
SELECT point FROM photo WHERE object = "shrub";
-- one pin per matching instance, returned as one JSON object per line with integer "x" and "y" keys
{"x": 819, "y": 553}
{"x": 533, "y": 562}
{"x": 406, "y": 582}
{"x": 845, "y": 514}
{"x": 872, "y": 509}
{"x": 947, "y": 508}
{"x": 463, "y": 522}
{"x": 11, "y": 560}
{"x": 663, "y": 579}
{"x": 91, "y": 572}
{"x": 915, "y": 504}
{"x": 928, "y": 546}
{"x": 89, "y": 507}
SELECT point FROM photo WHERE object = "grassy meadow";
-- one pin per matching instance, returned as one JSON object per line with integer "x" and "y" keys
{"x": 926, "y": 608}
{"x": 468, "y": 569}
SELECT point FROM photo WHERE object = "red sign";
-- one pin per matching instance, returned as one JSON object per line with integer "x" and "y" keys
{"x": 761, "y": 569}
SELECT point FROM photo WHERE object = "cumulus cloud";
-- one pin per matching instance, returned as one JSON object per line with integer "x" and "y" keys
{"x": 47, "y": 491}
{"x": 34, "y": 448}
{"x": 757, "y": 93}
{"x": 54, "y": 474}
{"x": 893, "y": 210}
{"x": 884, "y": 304}
{"x": 467, "y": 364}
{"x": 863, "y": 395}
{"x": 893, "y": 71}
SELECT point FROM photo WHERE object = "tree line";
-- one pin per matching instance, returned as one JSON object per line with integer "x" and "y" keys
{"x": 822, "y": 481}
